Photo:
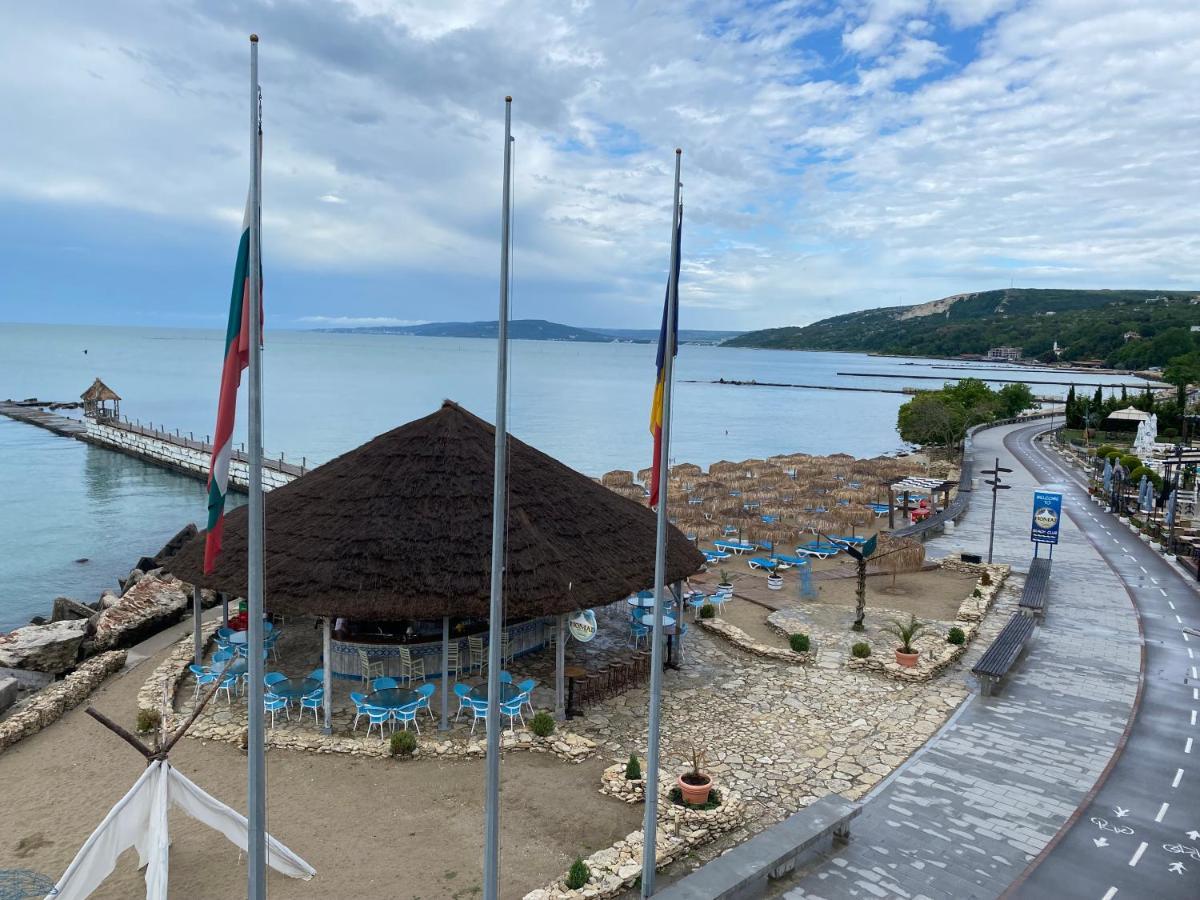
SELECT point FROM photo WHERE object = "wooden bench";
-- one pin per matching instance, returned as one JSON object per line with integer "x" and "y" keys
{"x": 1037, "y": 583}
{"x": 744, "y": 871}
{"x": 1000, "y": 656}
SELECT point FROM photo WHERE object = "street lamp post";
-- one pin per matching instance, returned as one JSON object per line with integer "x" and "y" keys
{"x": 997, "y": 486}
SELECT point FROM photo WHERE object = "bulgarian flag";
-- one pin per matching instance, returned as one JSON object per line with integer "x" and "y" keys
{"x": 660, "y": 384}
{"x": 237, "y": 358}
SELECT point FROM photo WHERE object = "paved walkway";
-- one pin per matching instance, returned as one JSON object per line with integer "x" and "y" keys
{"x": 1140, "y": 835}
{"x": 965, "y": 817}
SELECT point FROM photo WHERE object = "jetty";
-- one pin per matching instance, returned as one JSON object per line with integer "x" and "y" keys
{"x": 812, "y": 387}
{"x": 176, "y": 450}
{"x": 944, "y": 378}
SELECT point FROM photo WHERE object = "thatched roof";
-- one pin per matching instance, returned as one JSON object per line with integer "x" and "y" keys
{"x": 401, "y": 527}
{"x": 98, "y": 392}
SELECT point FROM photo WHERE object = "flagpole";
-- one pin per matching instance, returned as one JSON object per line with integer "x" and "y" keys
{"x": 491, "y": 849}
{"x": 650, "y": 825}
{"x": 256, "y": 867}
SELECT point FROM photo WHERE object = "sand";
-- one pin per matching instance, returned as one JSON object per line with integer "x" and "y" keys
{"x": 372, "y": 829}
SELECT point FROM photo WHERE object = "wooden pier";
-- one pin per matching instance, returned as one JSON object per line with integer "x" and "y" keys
{"x": 36, "y": 415}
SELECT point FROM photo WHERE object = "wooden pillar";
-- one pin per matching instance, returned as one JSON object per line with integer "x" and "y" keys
{"x": 444, "y": 725}
{"x": 891, "y": 509}
{"x": 560, "y": 664}
{"x": 327, "y": 669}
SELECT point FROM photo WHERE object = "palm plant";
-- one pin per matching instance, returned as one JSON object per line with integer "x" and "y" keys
{"x": 906, "y": 632}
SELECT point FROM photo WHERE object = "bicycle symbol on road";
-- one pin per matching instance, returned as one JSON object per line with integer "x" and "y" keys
{"x": 1103, "y": 825}
{"x": 1179, "y": 848}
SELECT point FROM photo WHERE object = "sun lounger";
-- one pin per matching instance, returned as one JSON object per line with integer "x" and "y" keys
{"x": 791, "y": 560}
{"x": 819, "y": 549}
{"x": 738, "y": 547}
{"x": 848, "y": 539}
{"x": 767, "y": 563}
{"x": 714, "y": 555}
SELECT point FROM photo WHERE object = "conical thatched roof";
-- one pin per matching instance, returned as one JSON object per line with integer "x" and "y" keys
{"x": 99, "y": 392}
{"x": 401, "y": 527}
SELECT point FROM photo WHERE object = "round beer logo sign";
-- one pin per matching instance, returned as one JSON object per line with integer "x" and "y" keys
{"x": 582, "y": 625}
{"x": 1045, "y": 518}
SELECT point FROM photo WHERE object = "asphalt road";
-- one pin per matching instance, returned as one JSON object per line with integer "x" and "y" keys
{"x": 1139, "y": 837}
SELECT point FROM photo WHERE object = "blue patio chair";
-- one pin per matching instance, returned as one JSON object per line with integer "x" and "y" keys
{"x": 225, "y": 632}
{"x": 512, "y": 709}
{"x": 223, "y": 644}
{"x": 506, "y": 678}
{"x": 637, "y": 631}
{"x": 222, "y": 656}
{"x": 273, "y": 703}
{"x": 203, "y": 678}
{"x": 318, "y": 674}
{"x": 360, "y": 708}
{"x": 461, "y": 691}
{"x": 273, "y": 678}
{"x": 526, "y": 688}
{"x": 312, "y": 701}
{"x": 406, "y": 714}
{"x": 227, "y": 683}
{"x": 645, "y": 595}
{"x": 269, "y": 644}
{"x": 426, "y": 691}
{"x": 478, "y": 713}
{"x": 381, "y": 684}
{"x": 696, "y": 601}
{"x": 377, "y": 715}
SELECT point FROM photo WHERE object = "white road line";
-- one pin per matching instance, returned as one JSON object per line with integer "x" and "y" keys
{"x": 1155, "y": 580}
{"x": 1164, "y": 593}
{"x": 1194, "y": 675}
{"x": 1178, "y": 778}
{"x": 1162, "y": 811}
{"x": 1137, "y": 854}
{"x": 1177, "y": 619}
{"x": 1187, "y": 748}
{"x": 1193, "y": 717}
{"x": 1109, "y": 894}
{"x": 1190, "y": 654}
{"x": 1169, "y": 603}
{"x": 1143, "y": 568}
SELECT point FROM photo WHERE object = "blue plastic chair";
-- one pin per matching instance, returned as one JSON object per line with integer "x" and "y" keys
{"x": 273, "y": 678}
{"x": 380, "y": 684}
{"x": 479, "y": 711}
{"x": 273, "y": 703}
{"x": 318, "y": 674}
{"x": 461, "y": 691}
{"x": 696, "y": 601}
{"x": 406, "y": 714}
{"x": 527, "y": 687}
{"x": 360, "y": 708}
{"x": 426, "y": 691}
{"x": 228, "y": 682}
{"x": 512, "y": 709}
{"x": 222, "y": 656}
{"x": 203, "y": 678}
{"x": 376, "y": 715}
{"x": 637, "y": 631}
{"x": 506, "y": 678}
{"x": 312, "y": 701}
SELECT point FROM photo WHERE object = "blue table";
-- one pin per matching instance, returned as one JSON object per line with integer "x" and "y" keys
{"x": 392, "y": 698}
{"x": 508, "y": 692}
{"x": 669, "y": 631}
{"x": 294, "y": 688}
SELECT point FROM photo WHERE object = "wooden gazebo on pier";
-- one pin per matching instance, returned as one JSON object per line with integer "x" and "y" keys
{"x": 100, "y": 401}
{"x": 400, "y": 529}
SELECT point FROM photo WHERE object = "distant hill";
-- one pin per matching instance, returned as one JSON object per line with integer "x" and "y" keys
{"x": 539, "y": 330}
{"x": 1125, "y": 328}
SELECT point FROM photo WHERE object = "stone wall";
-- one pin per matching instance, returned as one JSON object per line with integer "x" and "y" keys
{"x": 48, "y": 705}
{"x": 169, "y": 674}
{"x": 188, "y": 460}
{"x": 739, "y": 638}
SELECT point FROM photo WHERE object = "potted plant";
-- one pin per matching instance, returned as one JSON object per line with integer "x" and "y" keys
{"x": 694, "y": 785}
{"x": 725, "y": 585}
{"x": 907, "y": 632}
{"x": 775, "y": 580}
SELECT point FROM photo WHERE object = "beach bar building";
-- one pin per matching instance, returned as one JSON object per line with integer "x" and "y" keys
{"x": 390, "y": 546}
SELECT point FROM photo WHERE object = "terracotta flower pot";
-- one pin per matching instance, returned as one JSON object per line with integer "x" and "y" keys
{"x": 695, "y": 794}
{"x": 908, "y": 660}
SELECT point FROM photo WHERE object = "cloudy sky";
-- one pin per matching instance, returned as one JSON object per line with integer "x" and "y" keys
{"x": 837, "y": 155}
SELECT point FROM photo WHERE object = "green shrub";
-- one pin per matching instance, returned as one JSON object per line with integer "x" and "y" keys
{"x": 676, "y": 797}
{"x": 579, "y": 874}
{"x": 799, "y": 642}
{"x": 633, "y": 768}
{"x": 986, "y": 578}
{"x": 148, "y": 720}
{"x": 1130, "y": 462}
{"x": 542, "y": 723}
{"x": 707, "y": 611}
{"x": 861, "y": 650}
{"x": 956, "y": 636}
{"x": 1135, "y": 477}
{"x": 977, "y": 593}
{"x": 1104, "y": 451}
{"x": 404, "y": 743}
{"x": 1114, "y": 457}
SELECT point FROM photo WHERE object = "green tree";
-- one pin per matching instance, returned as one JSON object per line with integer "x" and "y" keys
{"x": 1014, "y": 399}
{"x": 929, "y": 418}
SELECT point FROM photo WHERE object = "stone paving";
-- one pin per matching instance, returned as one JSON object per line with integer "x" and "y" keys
{"x": 966, "y": 817}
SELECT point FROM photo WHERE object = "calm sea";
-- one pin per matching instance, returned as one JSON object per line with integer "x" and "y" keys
{"x": 585, "y": 404}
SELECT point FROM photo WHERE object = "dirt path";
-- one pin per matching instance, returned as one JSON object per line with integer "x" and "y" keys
{"x": 371, "y": 829}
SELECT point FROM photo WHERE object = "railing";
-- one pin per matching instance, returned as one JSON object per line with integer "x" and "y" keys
{"x": 190, "y": 442}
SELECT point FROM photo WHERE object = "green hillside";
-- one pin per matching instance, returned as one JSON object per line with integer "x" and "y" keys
{"x": 1086, "y": 324}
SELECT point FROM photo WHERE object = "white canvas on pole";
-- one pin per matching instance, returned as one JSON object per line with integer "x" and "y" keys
{"x": 139, "y": 820}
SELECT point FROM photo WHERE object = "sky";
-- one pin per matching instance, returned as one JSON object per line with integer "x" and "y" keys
{"x": 836, "y": 156}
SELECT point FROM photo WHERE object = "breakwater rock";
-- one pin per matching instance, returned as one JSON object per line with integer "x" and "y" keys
{"x": 52, "y": 648}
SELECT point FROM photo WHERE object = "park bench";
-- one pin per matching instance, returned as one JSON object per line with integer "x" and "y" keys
{"x": 743, "y": 872}
{"x": 1037, "y": 582}
{"x": 1000, "y": 656}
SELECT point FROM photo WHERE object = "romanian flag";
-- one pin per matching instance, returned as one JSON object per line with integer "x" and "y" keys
{"x": 660, "y": 384}
{"x": 237, "y": 358}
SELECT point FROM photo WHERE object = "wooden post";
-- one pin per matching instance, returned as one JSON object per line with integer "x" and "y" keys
{"x": 327, "y": 669}
{"x": 891, "y": 509}
{"x": 445, "y": 723}
{"x": 196, "y": 640}
{"x": 560, "y": 664}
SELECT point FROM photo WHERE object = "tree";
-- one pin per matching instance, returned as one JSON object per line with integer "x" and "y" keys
{"x": 1014, "y": 399}
{"x": 1071, "y": 413}
{"x": 929, "y": 418}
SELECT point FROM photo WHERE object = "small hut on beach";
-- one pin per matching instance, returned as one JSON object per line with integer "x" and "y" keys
{"x": 100, "y": 401}
{"x": 393, "y": 540}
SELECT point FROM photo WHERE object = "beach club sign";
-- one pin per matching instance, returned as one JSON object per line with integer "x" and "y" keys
{"x": 582, "y": 625}
{"x": 1047, "y": 513}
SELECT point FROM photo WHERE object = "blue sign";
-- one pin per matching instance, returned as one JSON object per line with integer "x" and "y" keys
{"x": 1047, "y": 513}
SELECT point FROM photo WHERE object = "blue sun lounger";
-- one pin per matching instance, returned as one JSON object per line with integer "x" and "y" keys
{"x": 819, "y": 549}
{"x": 768, "y": 563}
{"x": 738, "y": 547}
{"x": 848, "y": 539}
{"x": 792, "y": 560}
{"x": 714, "y": 555}
{"x": 879, "y": 509}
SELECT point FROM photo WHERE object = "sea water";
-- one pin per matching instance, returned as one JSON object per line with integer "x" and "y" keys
{"x": 325, "y": 393}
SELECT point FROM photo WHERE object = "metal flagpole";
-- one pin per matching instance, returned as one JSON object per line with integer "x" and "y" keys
{"x": 650, "y": 824}
{"x": 491, "y": 847}
{"x": 256, "y": 851}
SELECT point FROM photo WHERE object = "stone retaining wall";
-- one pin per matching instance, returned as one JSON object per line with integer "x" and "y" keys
{"x": 739, "y": 638}
{"x": 168, "y": 675}
{"x": 48, "y": 705}
{"x": 189, "y": 460}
